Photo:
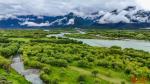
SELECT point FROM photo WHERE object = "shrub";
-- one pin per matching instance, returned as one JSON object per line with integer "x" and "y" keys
{"x": 81, "y": 78}
{"x": 47, "y": 70}
{"x": 54, "y": 81}
{"x": 4, "y": 63}
{"x": 83, "y": 63}
{"x": 59, "y": 62}
{"x": 45, "y": 77}
{"x": 122, "y": 82}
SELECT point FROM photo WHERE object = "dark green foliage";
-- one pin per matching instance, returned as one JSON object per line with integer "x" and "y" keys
{"x": 81, "y": 79}
{"x": 47, "y": 70}
{"x": 4, "y": 40}
{"x": 45, "y": 78}
{"x": 95, "y": 73}
{"x": 54, "y": 81}
{"x": 23, "y": 33}
{"x": 59, "y": 62}
{"x": 3, "y": 80}
{"x": 58, "y": 41}
{"x": 4, "y": 63}
{"x": 113, "y": 34}
{"x": 83, "y": 63}
{"x": 123, "y": 82}
{"x": 9, "y": 50}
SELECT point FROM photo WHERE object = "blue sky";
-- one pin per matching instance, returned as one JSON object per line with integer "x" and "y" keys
{"x": 61, "y": 7}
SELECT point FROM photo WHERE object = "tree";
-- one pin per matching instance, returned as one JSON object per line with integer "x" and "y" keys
{"x": 47, "y": 70}
{"x": 95, "y": 73}
{"x": 6, "y": 52}
{"x": 83, "y": 63}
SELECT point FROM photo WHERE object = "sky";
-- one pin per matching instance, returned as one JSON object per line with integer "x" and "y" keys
{"x": 144, "y": 4}
{"x": 61, "y": 7}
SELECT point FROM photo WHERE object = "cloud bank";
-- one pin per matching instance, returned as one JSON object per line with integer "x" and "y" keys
{"x": 31, "y": 24}
{"x": 60, "y": 7}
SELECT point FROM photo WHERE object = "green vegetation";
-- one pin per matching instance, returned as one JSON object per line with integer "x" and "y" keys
{"x": 9, "y": 48}
{"x": 9, "y": 76}
{"x": 129, "y": 61}
{"x": 113, "y": 34}
{"x": 66, "y": 61}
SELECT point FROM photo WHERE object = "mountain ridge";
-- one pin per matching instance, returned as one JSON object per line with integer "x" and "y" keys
{"x": 127, "y": 17}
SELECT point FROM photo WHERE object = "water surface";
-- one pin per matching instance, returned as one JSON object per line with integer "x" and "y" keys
{"x": 126, "y": 43}
{"x": 136, "y": 44}
{"x": 32, "y": 75}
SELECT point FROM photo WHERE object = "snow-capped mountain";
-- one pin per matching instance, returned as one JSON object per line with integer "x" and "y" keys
{"x": 127, "y": 17}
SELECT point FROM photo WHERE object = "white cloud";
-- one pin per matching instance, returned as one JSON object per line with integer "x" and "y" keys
{"x": 144, "y": 4}
{"x": 7, "y": 16}
{"x": 59, "y": 7}
{"x": 33, "y": 24}
{"x": 112, "y": 18}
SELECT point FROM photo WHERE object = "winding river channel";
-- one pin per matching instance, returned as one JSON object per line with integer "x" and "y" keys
{"x": 32, "y": 75}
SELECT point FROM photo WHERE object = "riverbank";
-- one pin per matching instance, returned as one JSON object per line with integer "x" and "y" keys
{"x": 112, "y": 34}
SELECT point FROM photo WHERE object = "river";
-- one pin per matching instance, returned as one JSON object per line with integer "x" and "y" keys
{"x": 126, "y": 43}
{"x": 32, "y": 75}
{"x": 135, "y": 44}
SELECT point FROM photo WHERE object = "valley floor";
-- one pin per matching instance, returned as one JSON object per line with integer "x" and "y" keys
{"x": 68, "y": 61}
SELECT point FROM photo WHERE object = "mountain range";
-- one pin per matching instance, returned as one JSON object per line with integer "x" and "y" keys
{"x": 129, "y": 17}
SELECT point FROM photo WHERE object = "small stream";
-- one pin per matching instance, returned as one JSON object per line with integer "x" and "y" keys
{"x": 32, "y": 75}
